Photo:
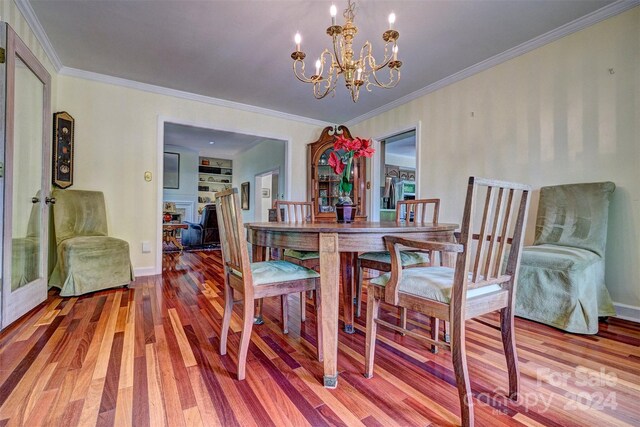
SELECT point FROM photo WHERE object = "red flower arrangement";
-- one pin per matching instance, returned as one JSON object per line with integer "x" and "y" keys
{"x": 341, "y": 163}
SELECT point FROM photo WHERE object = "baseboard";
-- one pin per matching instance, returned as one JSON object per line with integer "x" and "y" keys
{"x": 145, "y": 271}
{"x": 627, "y": 312}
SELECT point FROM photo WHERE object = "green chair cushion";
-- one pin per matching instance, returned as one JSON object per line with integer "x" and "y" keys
{"x": 301, "y": 255}
{"x": 433, "y": 283}
{"x": 268, "y": 272}
{"x": 574, "y": 215}
{"x": 407, "y": 257}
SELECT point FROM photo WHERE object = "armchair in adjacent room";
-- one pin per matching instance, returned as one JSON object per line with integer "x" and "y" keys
{"x": 203, "y": 233}
{"x": 561, "y": 281}
{"x": 88, "y": 260}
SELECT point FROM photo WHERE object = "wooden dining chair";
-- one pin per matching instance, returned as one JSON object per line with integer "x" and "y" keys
{"x": 416, "y": 212}
{"x": 481, "y": 282}
{"x": 297, "y": 212}
{"x": 254, "y": 280}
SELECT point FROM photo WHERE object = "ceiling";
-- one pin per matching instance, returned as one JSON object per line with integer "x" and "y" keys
{"x": 401, "y": 145}
{"x": 240, "y": 50}
{"x": 226, "y": 144}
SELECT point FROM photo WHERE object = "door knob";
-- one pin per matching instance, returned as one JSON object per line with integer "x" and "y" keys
{"x": 35, "y": 200}
{"x": 51, "y": 200}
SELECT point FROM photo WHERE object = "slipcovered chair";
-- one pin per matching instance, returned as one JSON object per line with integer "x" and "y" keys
{"x": 204, "y": 233}
{"x": 561, "y": 280}
{"x": 88, "y": 259}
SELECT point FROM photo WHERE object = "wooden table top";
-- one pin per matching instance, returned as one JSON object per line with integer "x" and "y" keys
{"x": 354, "y": 227}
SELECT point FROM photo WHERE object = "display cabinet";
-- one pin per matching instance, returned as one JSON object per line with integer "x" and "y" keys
{"x": 323, "y": 184}
{"x": 213, "y": 175}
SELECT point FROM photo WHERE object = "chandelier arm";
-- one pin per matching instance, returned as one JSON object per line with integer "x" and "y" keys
{"x": 329, "y": 85}
{"x": 300, "y": 75}
{"x": 392, "y": 82}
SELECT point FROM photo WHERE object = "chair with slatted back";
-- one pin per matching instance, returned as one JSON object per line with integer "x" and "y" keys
{"x": 407, "y": 212}
{"x": 298, "y": 212}
{"x": 254, "y": 280}
{"x": 480, "y": 283}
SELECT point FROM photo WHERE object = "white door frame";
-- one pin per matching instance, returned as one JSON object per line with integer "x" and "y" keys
{"x": 160, "y": 172}
{"x": 374, "y": 204}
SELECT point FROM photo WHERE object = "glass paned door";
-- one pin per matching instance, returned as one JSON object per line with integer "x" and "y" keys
{"x": 24, "y": 283}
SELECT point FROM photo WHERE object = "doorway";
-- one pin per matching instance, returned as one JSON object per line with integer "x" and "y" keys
{"x": 267, "y": 192}
{"x": 239, "y": 153}
{"x": 395, "y": 172}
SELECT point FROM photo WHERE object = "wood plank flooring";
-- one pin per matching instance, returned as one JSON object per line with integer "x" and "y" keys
{"x": 148, "y": 356}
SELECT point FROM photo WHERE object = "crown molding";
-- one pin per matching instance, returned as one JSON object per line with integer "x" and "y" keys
{"x": 553, "y": 35}
{"x": 34, "y": 23}
{"x": 160, "y": 90}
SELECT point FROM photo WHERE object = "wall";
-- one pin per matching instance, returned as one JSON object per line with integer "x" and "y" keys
{"x": 264, "y": 157}
{"x": 117, "y": 141}
{"x": 554, "y": 115}
{"x": 188, "y": 176}
{"x": 10, "y": 14}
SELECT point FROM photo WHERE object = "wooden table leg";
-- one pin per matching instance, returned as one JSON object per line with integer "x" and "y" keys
{"x": 329, "y": 292}
{"x": 347, "y": 267}
{"x": 258, "y": 254}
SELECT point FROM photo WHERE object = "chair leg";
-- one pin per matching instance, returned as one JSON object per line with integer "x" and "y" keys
{"x": 319, "y": 325}
{"x": 373, "y": 307}
{"x": 435, "y": 332}
{"x": 509, "y": 344}
{"x": 303, "y": 306}
{"x": 226, "y": 318}
{"x": 285, "y": 313}
{"x": 245, "y": 337}
{"x": 403, "y": 319}
{"x": 447, "y": 331}
{"x": 459, "y": 356}
{"x": 358, "y": 301}
{"x": 258, "y": 320}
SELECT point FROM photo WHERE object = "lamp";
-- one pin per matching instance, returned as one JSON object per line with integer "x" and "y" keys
{"x": 356, "y": 72}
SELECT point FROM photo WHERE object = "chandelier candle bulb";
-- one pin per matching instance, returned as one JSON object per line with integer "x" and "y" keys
{"x": 318, "y": 67}
{"x": 333, "y": 10}
{"x": 392, "y": 20}
{"x": 298, "y": 39}
{"x": 395, "y": 53}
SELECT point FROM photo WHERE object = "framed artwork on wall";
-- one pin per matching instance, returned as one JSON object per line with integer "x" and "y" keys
{"x": 62, "y": 168}
{"x": 244, "y": 196}
{"x": 171, "y": 170}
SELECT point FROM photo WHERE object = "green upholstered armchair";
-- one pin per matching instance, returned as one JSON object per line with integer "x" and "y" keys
{"x": 561, "y": 280}
{"x": 88, "y": 259}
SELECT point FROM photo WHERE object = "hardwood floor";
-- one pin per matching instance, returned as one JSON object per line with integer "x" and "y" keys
{"x": 148, "y": 356}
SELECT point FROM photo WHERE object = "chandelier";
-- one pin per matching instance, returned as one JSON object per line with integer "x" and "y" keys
{"x": 356, "y": 71}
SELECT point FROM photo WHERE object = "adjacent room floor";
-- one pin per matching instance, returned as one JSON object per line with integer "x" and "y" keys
{"x": 148, "y": 355}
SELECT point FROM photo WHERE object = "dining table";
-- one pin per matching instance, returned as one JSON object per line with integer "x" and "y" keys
{"x": 338, "y": 245}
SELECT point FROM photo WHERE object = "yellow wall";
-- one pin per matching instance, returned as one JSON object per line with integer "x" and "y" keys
{"x": 554, "y": 115}
{"x": 11, "y": 15}
{"x": 116, "y": 142}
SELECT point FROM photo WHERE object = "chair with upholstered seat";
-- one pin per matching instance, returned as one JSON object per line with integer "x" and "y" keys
{"x": 88, "y": 260}
{"x": 254, "y": 280}
{"x": 480, "y": 283}
{"x": 407, "y": 212}
{"x": 296, "y": 212}
{"x": 561, "y": 281}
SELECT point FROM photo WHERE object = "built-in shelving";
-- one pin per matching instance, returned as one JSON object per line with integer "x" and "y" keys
{"x": 213, "y": 175}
